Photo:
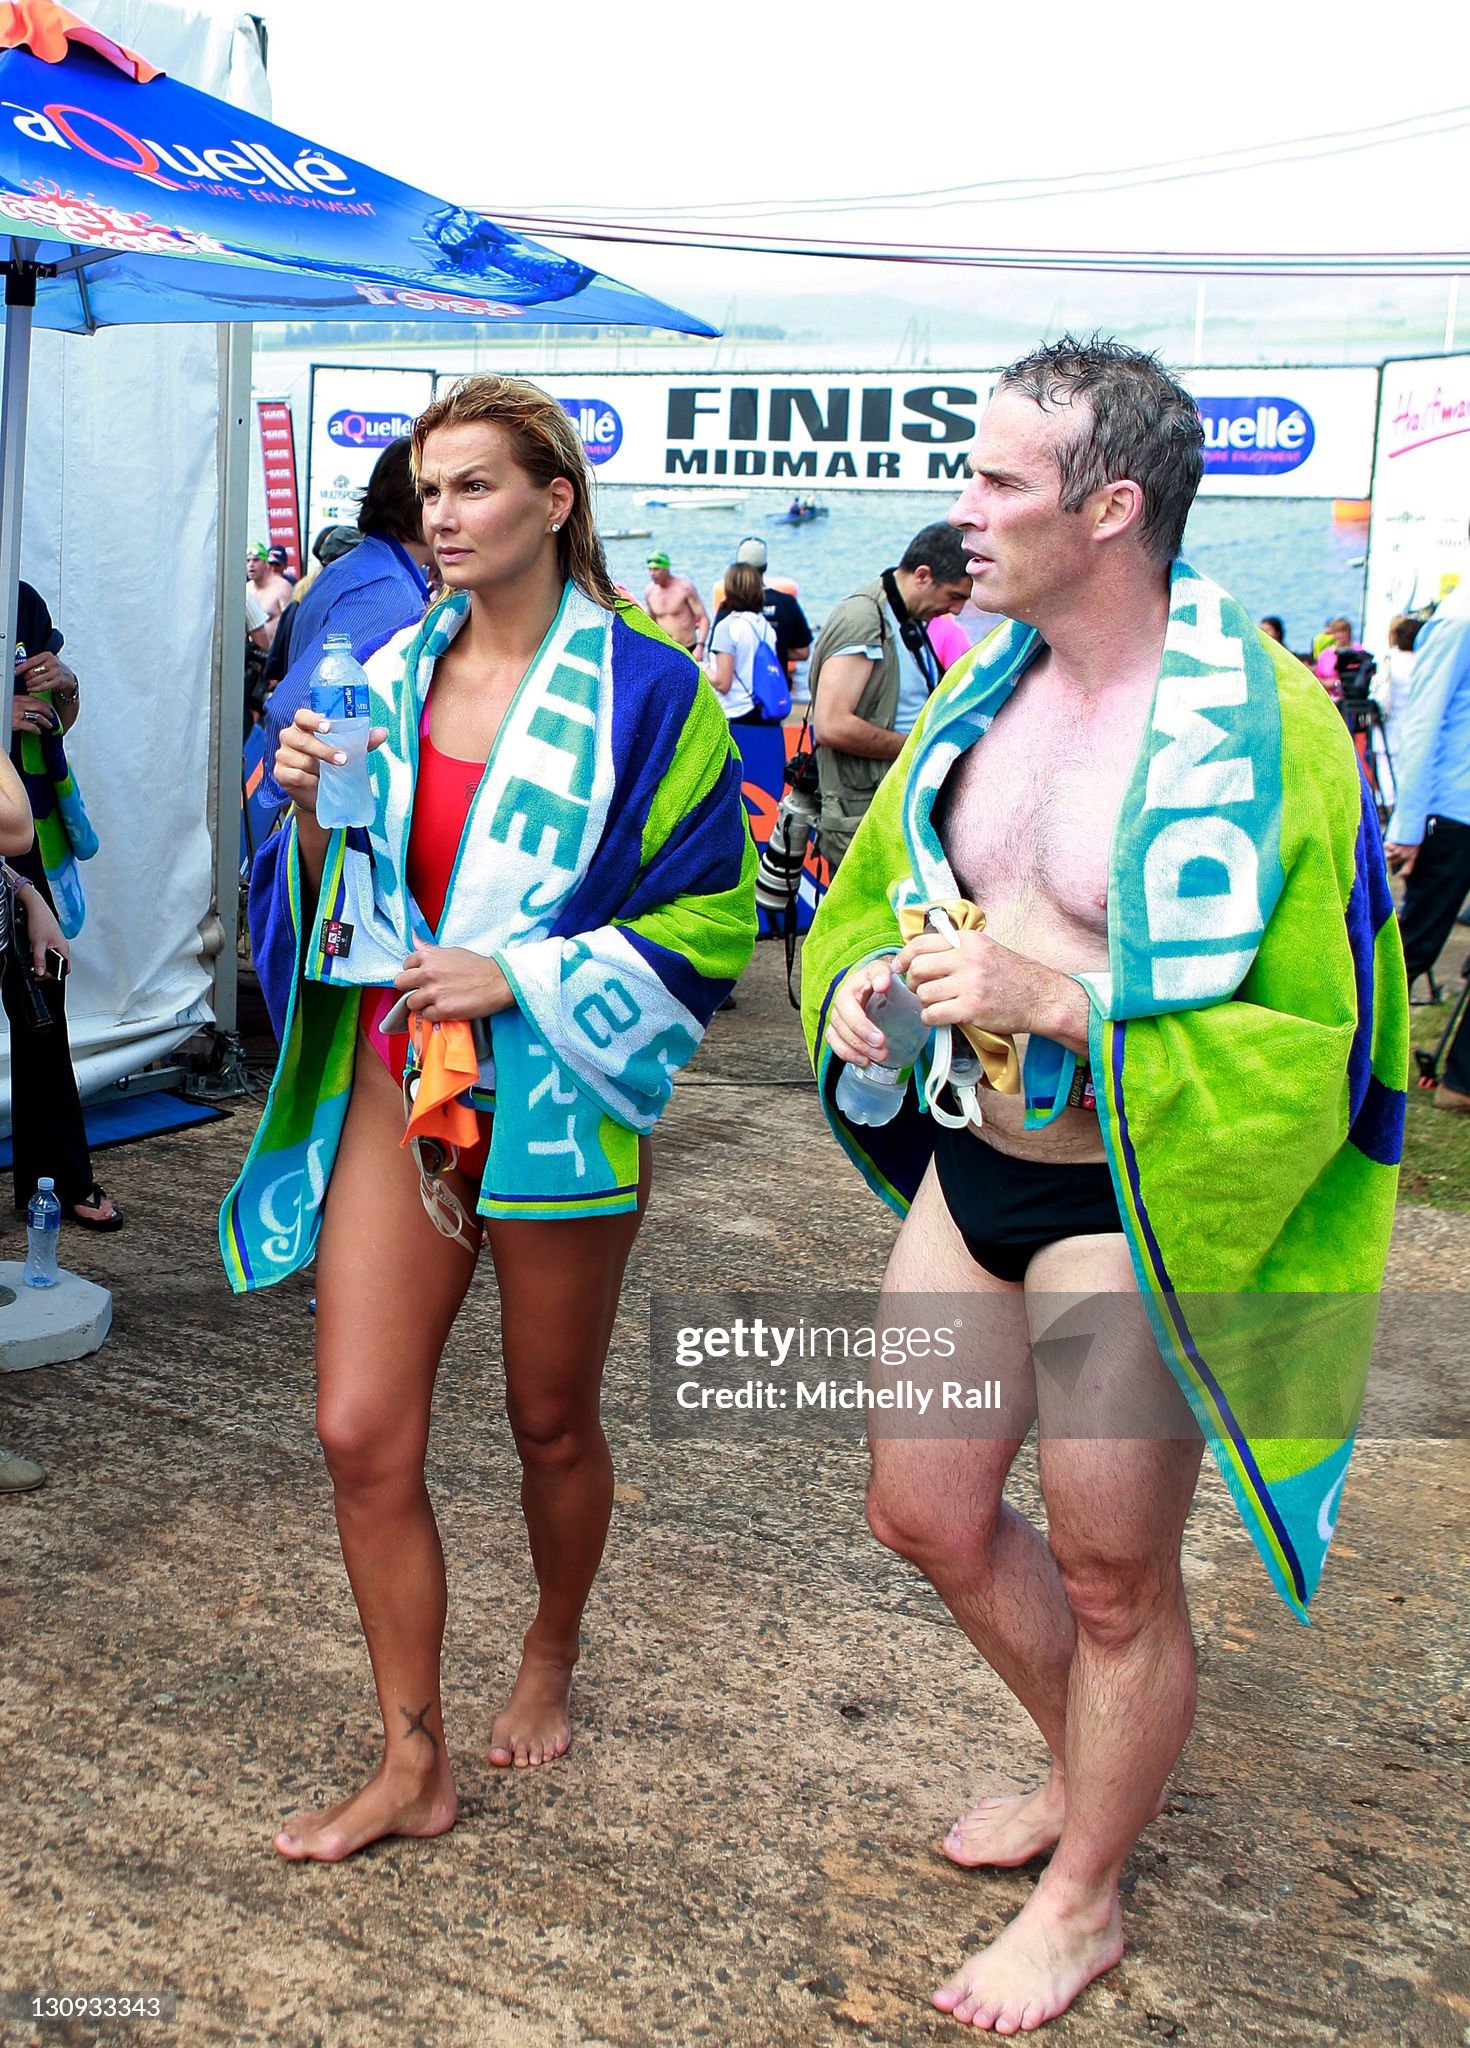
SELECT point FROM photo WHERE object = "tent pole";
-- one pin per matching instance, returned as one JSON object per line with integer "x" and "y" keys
{"x": 20, "y": 305}
{"x": 227, "y": 712}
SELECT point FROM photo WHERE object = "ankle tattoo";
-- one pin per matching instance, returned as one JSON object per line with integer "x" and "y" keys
{"x": 418, "y": 1725}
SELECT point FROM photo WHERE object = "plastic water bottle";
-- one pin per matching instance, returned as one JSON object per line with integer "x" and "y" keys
{"x": 874, "y": 1094}
{"x": 339, "y": 692}
{"x": 43, "y": 1228}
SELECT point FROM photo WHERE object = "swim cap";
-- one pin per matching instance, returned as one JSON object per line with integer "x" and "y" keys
{"x": 658, "y": 561}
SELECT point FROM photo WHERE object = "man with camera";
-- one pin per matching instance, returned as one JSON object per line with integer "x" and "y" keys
{"x": 1428, "y": 836}
{"x": 871, "y": 673}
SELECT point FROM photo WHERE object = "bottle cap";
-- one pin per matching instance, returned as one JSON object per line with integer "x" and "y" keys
{"x": 45, "y": 1187}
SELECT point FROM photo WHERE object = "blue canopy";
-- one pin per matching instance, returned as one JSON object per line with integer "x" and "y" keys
{"x": 159, "y": 203}
{"x": 126, "y": 198}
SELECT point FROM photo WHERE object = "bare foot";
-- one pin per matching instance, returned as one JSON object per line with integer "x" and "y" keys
{"x": 1003, "y": 1833}
{"x": 396, "y": 1804}
{"x": 1035, "y": 1967}
{"x": 535, "y": 1726}
{"x": 1007, "y": 1831}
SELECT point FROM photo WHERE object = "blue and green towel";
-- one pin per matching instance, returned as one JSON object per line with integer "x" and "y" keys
{"x": 1248, "y": 1042}
{"x": 64, "y": 832}
{"x": 606, "y": 865}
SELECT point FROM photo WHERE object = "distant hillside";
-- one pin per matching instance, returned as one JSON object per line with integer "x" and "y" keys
{"x": 982, "y": 317}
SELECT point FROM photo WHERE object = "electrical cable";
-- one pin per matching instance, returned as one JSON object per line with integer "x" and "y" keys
{"x": 1070, "y": 184}
{"x": 1162, "y": 263}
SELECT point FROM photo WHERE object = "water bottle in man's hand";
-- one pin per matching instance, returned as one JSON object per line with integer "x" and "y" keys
{"x": 339, "y": 693}
{"x": 874, "y": 1094}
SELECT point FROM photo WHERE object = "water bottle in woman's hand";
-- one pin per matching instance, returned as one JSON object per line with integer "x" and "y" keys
{"x": 874, "y": 1094}
{"x": 339, "y": 693}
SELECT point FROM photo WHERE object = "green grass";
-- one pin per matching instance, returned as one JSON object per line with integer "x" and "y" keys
{"x": 1436, "y": 1169}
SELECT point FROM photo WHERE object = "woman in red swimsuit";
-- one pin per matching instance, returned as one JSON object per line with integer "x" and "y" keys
{"x": 507, "y": 511}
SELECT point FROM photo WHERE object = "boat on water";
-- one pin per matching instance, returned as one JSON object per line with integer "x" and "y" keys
{"x": 800, "y": 515}
{"x": 627, "y": 533}
{"x": 699, "y": 501}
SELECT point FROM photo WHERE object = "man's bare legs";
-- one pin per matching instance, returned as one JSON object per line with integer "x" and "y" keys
{"x": 937, "y": 1501}
{"x": 388, "y": 1289}
{"x": 559, "y": 1285}
{"x": 1116, "y": 1510}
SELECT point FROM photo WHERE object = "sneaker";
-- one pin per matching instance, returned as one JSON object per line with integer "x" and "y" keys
{"x": 1450, "y": 1098}
{"x": 19, "y": 1475}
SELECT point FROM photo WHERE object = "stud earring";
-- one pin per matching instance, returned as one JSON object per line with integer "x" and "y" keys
{"x": 556, "y": 526}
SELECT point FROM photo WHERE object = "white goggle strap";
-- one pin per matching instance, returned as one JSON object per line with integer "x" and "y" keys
{"x": 966, "y": 1091}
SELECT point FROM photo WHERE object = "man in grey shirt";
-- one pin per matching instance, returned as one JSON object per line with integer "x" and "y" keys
{"x": 871, "y": 673}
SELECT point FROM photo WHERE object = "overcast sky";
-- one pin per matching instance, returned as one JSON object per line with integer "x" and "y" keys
{"x": 609, "y": 107}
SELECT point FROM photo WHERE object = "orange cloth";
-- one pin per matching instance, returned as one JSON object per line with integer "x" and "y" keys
{"x": 48, "y": 31}
{"x": 448, "y": 1065}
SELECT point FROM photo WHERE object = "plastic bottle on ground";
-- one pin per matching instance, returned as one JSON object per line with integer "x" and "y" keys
{"x": 43, "y": 1228}
{"x": 339, "y": 692}
{"x": 873, "y": 1094}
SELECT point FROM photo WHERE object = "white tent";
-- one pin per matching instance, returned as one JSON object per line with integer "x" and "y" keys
{"x": 134, "y": 534}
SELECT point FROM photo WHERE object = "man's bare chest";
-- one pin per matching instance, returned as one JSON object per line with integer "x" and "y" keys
{"x": 1029, "y": 812}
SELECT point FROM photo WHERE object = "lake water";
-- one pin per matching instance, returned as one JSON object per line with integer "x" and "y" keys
{"x": 1282, "y": 555}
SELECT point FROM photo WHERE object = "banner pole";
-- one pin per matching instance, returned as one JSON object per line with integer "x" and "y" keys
{"x": 20, "y": 306}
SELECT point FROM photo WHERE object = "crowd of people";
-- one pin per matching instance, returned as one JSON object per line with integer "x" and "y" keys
{"x": 1108, "y": 929}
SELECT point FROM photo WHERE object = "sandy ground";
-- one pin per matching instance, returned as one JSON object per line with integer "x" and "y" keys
{"x": 776, "y": 1720}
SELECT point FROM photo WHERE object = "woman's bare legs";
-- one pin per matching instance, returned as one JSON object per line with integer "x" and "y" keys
{"x": 559, "y": 1285}
{"x": 388, "y": 1289}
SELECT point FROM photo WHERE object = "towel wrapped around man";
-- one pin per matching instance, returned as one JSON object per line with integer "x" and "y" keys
{"x": 1248, "y": 1044}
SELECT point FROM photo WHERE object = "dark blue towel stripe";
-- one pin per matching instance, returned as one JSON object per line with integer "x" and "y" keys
{"x": 1378, "y": 1128}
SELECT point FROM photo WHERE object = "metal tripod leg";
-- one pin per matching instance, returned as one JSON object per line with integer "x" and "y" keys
{"x": 1428, "y": 1062}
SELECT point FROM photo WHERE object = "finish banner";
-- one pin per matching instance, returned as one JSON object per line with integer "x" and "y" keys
{"x": 1269, "y": 432}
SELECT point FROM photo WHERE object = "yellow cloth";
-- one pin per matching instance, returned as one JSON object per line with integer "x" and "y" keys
{"x": 996, "y": 1054}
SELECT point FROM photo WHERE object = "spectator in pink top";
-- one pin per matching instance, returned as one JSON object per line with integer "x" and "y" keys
{"x": 948, "y": 638}
{"x": 1342, "y": 641}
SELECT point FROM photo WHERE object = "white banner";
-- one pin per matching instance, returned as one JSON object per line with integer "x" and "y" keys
{"x": 1270, "y": 432}
{"x": 1417, "y": 546}
{"x": 1274, "y": 433}
{"x": 354, "y": 415}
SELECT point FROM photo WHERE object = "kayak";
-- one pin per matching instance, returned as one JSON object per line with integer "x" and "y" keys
{"x": 802, "y": 518}
{"x": 699, "y": 501}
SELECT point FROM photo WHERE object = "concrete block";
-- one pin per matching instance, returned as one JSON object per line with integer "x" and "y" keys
{"x": 48, "y": 1325}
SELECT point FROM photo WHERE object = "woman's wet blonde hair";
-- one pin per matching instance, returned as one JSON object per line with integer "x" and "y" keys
{"x": 546, "y": 445}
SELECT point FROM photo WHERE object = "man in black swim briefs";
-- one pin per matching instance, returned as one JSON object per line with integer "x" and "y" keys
{"x": 1087, "y": 461}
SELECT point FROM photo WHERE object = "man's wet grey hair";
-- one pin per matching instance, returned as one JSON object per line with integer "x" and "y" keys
{"x": 1141, "y": 424}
